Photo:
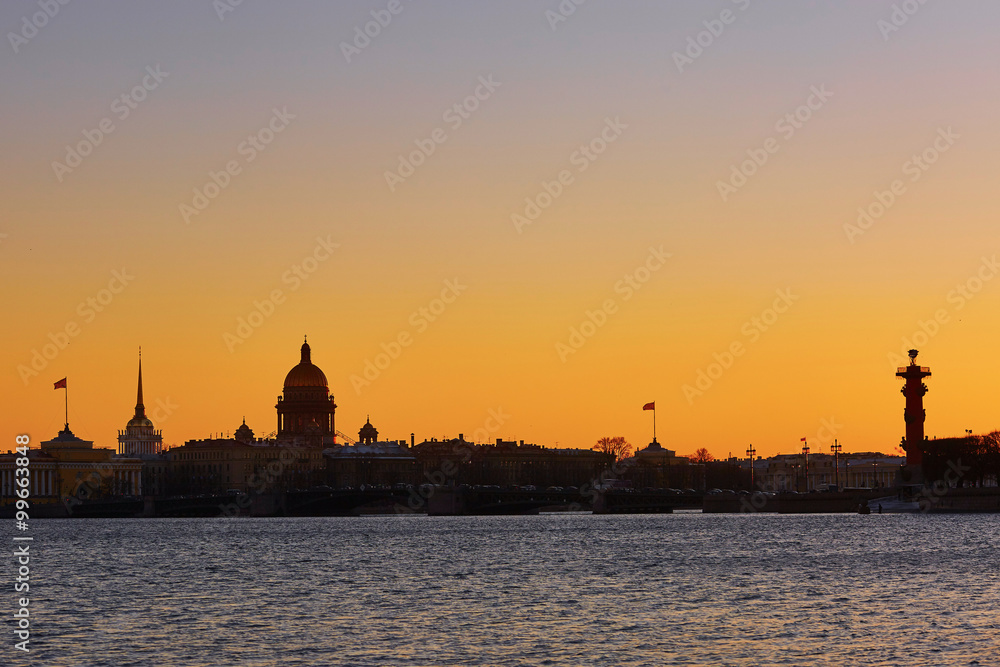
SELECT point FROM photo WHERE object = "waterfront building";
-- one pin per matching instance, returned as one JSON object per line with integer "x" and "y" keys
{"x": 67, "y": 467}
{"x": 369, "y": 462}
{"x": 242, "y": 463}
{"x": 818, "y": 472}
{"x": 155, "y": 474}
{"x": 871, "y": 470}
{"x": 306, "y": 407}
{"x": 507, "y": 463}
{"x": 657, "y": 467}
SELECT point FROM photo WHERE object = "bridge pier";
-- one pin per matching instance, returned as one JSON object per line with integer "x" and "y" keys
{"x": 266, "y": 504}
{"x": 445, "y": 501}
{"x": 600, "y": 503}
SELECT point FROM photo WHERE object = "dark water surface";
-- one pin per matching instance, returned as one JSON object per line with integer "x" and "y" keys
{"x": 683, "y": 589}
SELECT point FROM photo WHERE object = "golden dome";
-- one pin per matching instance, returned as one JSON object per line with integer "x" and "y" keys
{"x": 139, "y": 422}
{"x": 306, "y": 374}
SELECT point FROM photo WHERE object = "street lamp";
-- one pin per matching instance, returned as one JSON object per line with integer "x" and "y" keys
{"x": 805, "y": 454}
{"x": 751, "y": 452}
{"x": 835, "y": 448}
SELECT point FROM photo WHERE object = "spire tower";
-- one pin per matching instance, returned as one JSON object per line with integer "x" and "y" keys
{"x": 140, "y": 409}
{"x": 139, "y": 437}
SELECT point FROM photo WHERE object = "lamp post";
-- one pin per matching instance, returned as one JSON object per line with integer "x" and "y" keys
{"x": 805, "y": 467}
{"x": 835, "y": 448}
{"x": 751, "y": 452}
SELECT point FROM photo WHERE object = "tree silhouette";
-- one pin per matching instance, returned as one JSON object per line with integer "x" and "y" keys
{"x": 970, "y": 461}
{"x": 616, "y": 446}
{"x": 702, "y": 455}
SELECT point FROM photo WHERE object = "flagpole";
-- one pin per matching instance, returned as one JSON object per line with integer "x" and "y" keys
{"x": 654, "y": 422}
{"x": 66, "y": 396}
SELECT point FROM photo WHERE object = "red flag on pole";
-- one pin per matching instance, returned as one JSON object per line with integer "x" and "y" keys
{"x": 61, "y": 384}
{"x": 649, "y": 406}
{"x": 803, "y": 439}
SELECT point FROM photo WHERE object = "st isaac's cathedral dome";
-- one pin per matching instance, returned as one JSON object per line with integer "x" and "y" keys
{"x": 306, "y": 373}
{"x": 306, "y": 408}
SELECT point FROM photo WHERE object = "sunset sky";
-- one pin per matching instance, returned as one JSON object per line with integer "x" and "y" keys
{"x": 627, "y": 135}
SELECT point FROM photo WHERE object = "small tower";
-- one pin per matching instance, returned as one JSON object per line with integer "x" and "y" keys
{"x": 244, "y": 434}
{"x": 368, "y": 435}
{"x": 914, "y": 414}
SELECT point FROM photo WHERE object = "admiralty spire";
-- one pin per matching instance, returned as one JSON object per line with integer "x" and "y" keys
{"x": 139, "y": 436}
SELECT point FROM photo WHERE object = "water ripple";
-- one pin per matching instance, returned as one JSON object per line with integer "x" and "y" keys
{"x": 685, "y": 589}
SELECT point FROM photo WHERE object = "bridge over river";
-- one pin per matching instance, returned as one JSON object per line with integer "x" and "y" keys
{"x": 433, "y": 500}
{"x": 482, "y": 500}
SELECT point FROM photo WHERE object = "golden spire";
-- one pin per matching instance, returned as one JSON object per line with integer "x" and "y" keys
{"x": 140, "y": 409}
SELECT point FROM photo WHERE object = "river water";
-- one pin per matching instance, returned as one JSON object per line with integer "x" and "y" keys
{"x": 681, "y": 589}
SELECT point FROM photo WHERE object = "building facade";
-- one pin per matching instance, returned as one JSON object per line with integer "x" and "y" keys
{"x": 660, "y": 468}
{"x": 820, "y": 472}
{"x": 68, "y": 470}
{"x": 242, "y": 463}
{"x": 507, "y": 464}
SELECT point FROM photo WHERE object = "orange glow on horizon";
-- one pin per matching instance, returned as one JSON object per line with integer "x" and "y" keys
{"x": 776, "y": 311}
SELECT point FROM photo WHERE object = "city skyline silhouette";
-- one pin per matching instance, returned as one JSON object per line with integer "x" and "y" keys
{"x": 749, "y": 227}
